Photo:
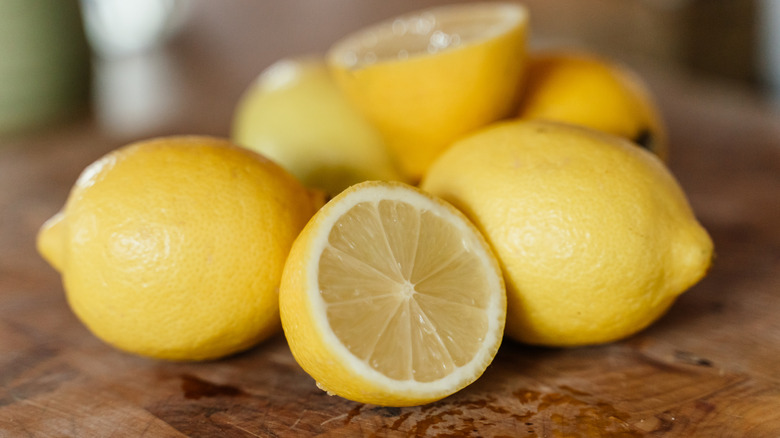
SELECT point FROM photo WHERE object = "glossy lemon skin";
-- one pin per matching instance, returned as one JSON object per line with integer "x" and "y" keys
{"x": 595, "y": 236}
{"x": 588, "y": 90}
{"x": 173, "y": 248}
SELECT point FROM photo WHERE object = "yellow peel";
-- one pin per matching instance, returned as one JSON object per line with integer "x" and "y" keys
{"x": 426, "y": 78}
{"x": 391, "y": 297}
{"x": 595, "y": 237}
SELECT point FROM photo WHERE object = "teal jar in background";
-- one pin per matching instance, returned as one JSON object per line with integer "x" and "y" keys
{"x": 44, "y": 63}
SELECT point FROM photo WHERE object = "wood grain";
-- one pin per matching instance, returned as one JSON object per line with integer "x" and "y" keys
{"x": 706, "y": 369}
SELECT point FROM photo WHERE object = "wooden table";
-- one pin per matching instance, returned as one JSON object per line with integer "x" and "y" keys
{"x": 709, "y": 368}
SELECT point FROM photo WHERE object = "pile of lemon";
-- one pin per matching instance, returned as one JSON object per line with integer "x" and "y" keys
{"x": 475, "y": 190}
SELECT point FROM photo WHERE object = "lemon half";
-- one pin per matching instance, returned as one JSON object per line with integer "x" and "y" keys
{"x": 426, "y": 78}
{"x": 391, "y": 297}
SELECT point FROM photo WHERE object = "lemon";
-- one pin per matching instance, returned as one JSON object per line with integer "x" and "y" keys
{"x": 294, "y": 114}
{"x": 174, "y": 247}
{"x": 595, "y": 236}
{"x": 391, "y": 297}
{"x": 588, "y": 90}
{"x": 426, "y": 78}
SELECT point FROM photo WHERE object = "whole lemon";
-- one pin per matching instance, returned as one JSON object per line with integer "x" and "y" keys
{"x": 589, "y": 90}
{"x": 595, "y": 237}
{"x": 174, "y": 247}
{"x": 294, "y": 114}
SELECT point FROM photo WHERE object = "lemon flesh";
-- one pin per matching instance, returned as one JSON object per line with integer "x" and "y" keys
{"x": 391, "y": 297}
{"x": 426, "y": 78}
{"x": 595, "y": 237}
{"x": 294, "y": 114}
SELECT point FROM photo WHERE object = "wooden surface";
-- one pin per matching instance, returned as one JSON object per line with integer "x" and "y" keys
{"x": 709, "y": 368}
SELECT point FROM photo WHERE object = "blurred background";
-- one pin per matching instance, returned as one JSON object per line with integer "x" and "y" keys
{"x": 146, "y": 67}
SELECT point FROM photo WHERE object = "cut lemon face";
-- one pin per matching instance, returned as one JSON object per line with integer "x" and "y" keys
{"x": 426, "y": 78}
{"x": 392, "y": 297}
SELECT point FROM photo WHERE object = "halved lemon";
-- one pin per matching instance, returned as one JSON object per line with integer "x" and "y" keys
{"x": 390, "y": 296}
{"x": 427, "y": 78}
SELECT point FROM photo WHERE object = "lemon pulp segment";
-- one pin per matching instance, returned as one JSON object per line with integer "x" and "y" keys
{"x": 413, "y": 309}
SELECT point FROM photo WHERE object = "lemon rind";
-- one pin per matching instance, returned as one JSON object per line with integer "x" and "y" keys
{"x": 512, "y": 16}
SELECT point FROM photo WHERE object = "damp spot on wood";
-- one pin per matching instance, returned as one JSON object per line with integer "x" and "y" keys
{"x": 194, "y": 388}
{"x": 354, "y": 412}
{"x": 574, "y": 391}
{"x": 689, "y": 358}
{"x": 400, "y": 421}
{"x": 387, "y": 411}
{"x": 704, "y": 406}
{"x": 575, "y": 413}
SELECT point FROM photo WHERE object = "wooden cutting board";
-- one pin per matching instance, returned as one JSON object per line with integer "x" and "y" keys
{"x": 709, "y": 368}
